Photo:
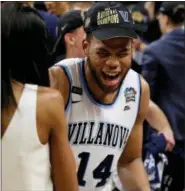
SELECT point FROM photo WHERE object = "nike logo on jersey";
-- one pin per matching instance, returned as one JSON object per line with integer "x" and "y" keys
{"x": 75, "y": 102}
{"x": 126, "y": 108}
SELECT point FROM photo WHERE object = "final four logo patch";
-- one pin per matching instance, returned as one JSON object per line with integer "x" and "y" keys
{"x": 130, "y": 94}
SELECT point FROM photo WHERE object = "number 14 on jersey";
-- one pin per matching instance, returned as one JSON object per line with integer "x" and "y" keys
{"x": 101, "y": 172}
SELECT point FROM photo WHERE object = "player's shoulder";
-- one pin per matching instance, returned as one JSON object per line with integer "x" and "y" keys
{"x": 130, "y": 77}
{"x": 50, "y": 106}
{"x": 132, "y": 72}
{"x": 145, "y": 95}
{"x": 48, "y": 97}
{"x": 59, "y": 67}
{"x": 68, "y": 62}
{"x": 144, "y": 85}
{"x": 143, "y": 82}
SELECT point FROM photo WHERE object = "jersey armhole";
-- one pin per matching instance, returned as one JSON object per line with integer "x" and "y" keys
{"x": 67, "y": 73}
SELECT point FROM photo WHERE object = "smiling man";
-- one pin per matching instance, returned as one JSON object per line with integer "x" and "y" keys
{"x": 106, "y": 101}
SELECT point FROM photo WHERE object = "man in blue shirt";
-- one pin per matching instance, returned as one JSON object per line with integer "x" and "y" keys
{"x": 164, "y": 70}
{"x": 50, "y": 20}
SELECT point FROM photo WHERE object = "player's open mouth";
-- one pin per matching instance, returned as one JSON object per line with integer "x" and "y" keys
{"x": 111, "y": 79}
{"x": 110, "y": 76}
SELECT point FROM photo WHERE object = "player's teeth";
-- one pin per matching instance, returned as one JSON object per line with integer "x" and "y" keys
{"x": 111, "y": 74}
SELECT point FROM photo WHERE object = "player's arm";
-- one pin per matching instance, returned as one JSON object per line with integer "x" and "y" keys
{"x": 157, "y": 120}
{"x": 130, "y": 166}
{"x": 59, "y": 81}
{"x": 62, "y": 160}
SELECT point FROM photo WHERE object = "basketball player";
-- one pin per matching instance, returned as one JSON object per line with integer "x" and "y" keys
{"x": 35, "y": 150}
{"x": 69, "y": 45}
{"x": 106, "y": 101}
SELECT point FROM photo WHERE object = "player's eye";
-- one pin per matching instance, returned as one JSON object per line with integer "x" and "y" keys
{"x": 103, "y": 54}
{"x": 122, "y": 54}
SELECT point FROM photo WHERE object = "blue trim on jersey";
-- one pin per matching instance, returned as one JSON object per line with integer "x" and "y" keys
{"x": 140, "y": 90}
{"x": 67, "y": 73}
{"x": 90, "y": 94}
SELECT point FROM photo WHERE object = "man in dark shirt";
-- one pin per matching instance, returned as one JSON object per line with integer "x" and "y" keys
{"x": 164, "y": 69}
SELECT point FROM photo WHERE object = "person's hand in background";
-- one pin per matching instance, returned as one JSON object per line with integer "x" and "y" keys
{"x": 138, "y": 44}
{"x": 157, "y": 120}
{"x": 169, "y": 137}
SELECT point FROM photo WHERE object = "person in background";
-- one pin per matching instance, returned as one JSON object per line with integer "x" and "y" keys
{"x": 50, "y": 20}
{"x": 57, "y": 8}
{"x": 36, "y": 154}
{"x": 40, "y": 5}
{"x": 145, "y": 12}
{"x": 140, "y": 16}
{"x": 80, "y": 5}
{"x": 153, "y": 33}
{"x": 51, "y": 24}
{"x": 164, "y": 69}
{"x": 70, "y": 34}
{"x": 162, "y": 126}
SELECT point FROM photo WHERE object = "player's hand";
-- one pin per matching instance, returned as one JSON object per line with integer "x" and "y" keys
{"x": 169, "y": 137}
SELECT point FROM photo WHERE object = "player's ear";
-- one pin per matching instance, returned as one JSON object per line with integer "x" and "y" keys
{"x": 85, "y": 45}
{"x": 69, "y": 39}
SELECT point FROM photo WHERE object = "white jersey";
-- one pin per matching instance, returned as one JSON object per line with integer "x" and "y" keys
{"x": 98, "y": 132}
{"x": 25, "y": 161}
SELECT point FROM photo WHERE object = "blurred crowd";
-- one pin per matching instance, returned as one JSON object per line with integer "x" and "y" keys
{"x": 158, "y": 56}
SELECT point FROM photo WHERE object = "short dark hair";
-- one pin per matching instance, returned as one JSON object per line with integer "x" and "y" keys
{"x": 178, "y": 17}
{"x": 174, "y": 10}
{"x": 25, "y": 55}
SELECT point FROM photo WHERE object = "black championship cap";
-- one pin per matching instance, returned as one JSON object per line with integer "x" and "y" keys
{"x": 106, "y": 20}
{"x": 170, "y": 8}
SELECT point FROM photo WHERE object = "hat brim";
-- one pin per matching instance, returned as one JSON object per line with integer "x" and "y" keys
{"x": 109, "y": 33}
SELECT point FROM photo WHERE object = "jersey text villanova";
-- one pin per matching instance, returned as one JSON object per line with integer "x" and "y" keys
{"x": 98, "y": 133}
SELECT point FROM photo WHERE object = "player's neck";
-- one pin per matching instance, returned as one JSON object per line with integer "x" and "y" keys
{"x": 72, "y": 53}
{"x": 98, "y": 93}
